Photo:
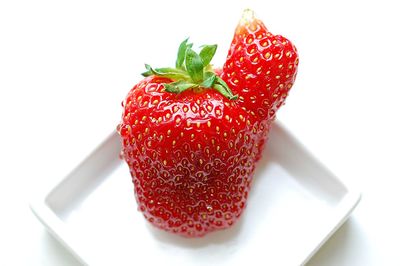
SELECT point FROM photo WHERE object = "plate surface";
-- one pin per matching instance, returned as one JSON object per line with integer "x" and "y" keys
{"x": 295, "y": 205}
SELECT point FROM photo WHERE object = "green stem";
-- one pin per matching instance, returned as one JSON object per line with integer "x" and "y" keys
{"x": 192, "y": 71}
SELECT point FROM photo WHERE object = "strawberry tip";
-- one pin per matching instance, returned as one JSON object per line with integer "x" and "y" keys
{"x": 247, "y": 16}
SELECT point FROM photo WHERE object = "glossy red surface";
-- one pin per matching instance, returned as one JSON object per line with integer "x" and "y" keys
{"x": 260, "y": 67}
{"x": 192, "y": 155}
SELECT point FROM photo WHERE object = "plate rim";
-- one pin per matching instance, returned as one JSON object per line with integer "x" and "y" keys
{"x": 58, "y": 229}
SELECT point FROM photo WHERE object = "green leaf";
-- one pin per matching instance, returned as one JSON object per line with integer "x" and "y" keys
{"x": 149, "y": 71}
{"x": 192, "y": 70}
{"x": 223, "y": 88}
{"x": 178, "y": 86}
{"x": 194, "y": 65}
{"x": 227, "y": 93}
{"x": 207, "y": 53}
{"x": 181, "y": 53}
{"x": 209, "y": 79}
{"x": 167, "y": 72}
{"x": 222, "y": 82}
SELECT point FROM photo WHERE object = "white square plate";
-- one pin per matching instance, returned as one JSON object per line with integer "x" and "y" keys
{"x": 295, "y": 205}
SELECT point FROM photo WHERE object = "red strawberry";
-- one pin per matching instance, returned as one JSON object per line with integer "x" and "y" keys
{"x": 191, "y": 144}
{"x": 260, "y": 67}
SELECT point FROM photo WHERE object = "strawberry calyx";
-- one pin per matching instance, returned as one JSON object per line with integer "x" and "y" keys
{"x": 192, "y": 71}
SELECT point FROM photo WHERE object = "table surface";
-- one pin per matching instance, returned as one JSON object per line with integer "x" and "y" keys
{"x": 66, "y": 66}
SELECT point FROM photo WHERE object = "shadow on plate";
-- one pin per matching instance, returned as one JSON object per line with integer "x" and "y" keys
{"x": 55, "y": 252}
{"x": 335, "y": 249}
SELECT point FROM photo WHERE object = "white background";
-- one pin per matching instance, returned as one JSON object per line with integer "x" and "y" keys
{"x": 65, "y": 66}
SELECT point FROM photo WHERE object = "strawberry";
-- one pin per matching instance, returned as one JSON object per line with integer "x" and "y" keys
{"x": 191, "y": 135}
{"x": 260, "y": 67}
